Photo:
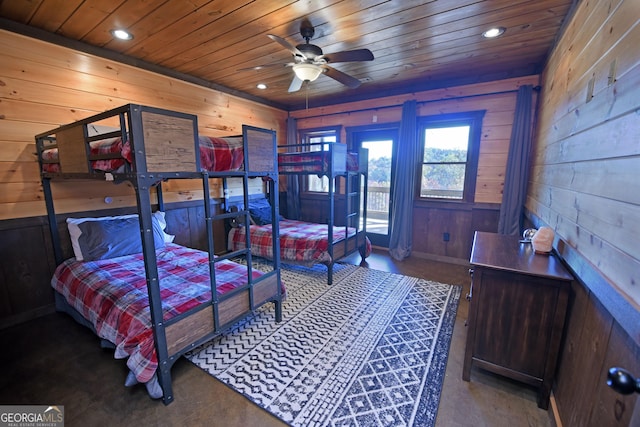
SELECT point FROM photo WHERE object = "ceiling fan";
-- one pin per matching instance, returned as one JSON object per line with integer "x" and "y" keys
{"x": 310, "y": 61}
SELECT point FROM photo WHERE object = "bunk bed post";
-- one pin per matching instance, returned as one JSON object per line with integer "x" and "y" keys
{"x": 275, "y": 229}
{"x": 208, "y": 218}
{"x": 48, "y": 200}
{"x": 51, "y": 217}
{"x": 142, "y": 184}
{"x": 142, "y": 187}
{"x": 365, "y": 192}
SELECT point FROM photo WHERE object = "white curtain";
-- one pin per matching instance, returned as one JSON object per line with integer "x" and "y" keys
{"x": 517, "y": 173}
{"x": 403, "y": 187}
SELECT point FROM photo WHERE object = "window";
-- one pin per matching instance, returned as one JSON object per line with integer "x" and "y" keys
{"x": 319, "y": 138}
{"x": 449, "y": 164}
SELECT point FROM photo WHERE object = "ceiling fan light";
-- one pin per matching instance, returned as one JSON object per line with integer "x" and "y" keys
{"x": 307, "y": 71}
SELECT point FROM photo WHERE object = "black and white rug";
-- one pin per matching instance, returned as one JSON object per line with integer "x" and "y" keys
{"x": 370, "y": 350}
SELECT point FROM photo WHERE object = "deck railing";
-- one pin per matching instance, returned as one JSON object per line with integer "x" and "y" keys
{"x": 378, "y": 202}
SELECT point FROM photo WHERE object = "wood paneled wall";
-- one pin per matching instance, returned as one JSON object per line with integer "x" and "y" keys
{"x": 497, "y": 98}
{"x": 431, "y": 220}
{"x": 43, "y": 85}
{"x": 27, "y": 262}
{"x": 585, "y": 184}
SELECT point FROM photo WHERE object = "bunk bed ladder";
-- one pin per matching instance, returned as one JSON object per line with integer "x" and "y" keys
{"x": 247, "y": 221}
{"x": 347, "y": 210}
{"x": 352, "y": 210}
{"x": 332, "y": 206}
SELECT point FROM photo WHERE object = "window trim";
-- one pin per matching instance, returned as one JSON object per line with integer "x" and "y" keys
{"x": 304, "y": 136}
{"x": 474, "y": 120}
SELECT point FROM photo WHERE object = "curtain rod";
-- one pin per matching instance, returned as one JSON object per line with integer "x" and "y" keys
{"x": 535, "y": 89}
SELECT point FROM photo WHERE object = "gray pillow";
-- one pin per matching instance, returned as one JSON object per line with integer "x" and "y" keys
{"x": 113, "y": 238}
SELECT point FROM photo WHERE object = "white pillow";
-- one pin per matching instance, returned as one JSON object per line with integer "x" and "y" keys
{"x": 160, "y": 217}
{"x": 75, "y": 232}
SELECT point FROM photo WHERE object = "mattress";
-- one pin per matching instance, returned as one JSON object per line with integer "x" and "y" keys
{"x": 112, "y": 295}
{"x": 312, "y": 162}
{"x": 300, "y": 242}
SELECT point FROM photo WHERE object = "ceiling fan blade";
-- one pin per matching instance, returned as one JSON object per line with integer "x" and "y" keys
{"x": 343, "y": 78}
{"x": 291, "y": 48}
{"x": 296, "y": 84}
{"x": 350, "y": 56}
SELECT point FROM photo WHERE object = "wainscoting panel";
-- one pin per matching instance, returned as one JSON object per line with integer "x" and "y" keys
{"x": 27, "y": 262}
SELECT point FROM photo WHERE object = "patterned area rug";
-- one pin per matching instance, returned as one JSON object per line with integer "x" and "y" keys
{"x": 370, "y": 350}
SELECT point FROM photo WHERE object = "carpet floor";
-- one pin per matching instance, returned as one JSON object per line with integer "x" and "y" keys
{"x": 370, "y": 350}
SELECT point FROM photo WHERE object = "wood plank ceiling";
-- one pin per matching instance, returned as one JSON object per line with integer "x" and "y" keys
{"x": 417, "y": 45}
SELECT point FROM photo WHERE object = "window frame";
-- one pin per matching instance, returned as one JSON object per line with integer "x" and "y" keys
{"x": 305, "y": 136}
{"x": 473, "y": 119}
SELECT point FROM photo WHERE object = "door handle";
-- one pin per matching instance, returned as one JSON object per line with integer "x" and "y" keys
{"x": 623, "y": 381}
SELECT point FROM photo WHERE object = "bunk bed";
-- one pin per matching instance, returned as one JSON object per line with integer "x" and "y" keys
{"x": 151, "y": 299}
{"x": 311, "y": 243}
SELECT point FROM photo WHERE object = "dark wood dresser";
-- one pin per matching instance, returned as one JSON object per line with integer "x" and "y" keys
{"x": 517, "y": 312}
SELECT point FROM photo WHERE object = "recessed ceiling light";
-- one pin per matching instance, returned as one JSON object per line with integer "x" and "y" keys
{"x": 261, "y": 86}
{"x": 494, "y": 32}
{"x": 122, "y": 34}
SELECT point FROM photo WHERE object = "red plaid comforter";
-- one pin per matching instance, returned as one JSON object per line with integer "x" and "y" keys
{"x": 300, "y": 242}
{"x": 216, "y": 155}
{"x": 221, "y": 154}
{"x": 112, "y": 295}
{"x": 312, "y": 161}
{"x": 104, "y": 146}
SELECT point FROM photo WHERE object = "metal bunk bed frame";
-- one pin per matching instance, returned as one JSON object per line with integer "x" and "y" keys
{"x": 337, "y": 153}
{"x": 137, "y": 119}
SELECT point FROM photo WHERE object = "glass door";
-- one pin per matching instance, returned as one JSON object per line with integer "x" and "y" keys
{"x": 380, "y": 143}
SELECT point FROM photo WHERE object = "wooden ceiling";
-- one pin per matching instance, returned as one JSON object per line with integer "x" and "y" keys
{"x": 418, "y": 45}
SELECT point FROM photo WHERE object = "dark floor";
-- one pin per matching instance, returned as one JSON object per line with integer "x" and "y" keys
{"x": 53, "y": 360}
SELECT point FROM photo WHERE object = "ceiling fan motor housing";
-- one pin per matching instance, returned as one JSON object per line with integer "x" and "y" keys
{"x": 310, "y": 51}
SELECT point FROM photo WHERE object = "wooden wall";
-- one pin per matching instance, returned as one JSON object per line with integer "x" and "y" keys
{"x": 585, "y": 184}
{"x": 27, "y": 262}
{"x": 43, "y": 85}
{"x": 431, "y": 220}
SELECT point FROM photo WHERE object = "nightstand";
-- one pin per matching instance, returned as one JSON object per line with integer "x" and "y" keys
{"x": 517, "y": 312}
